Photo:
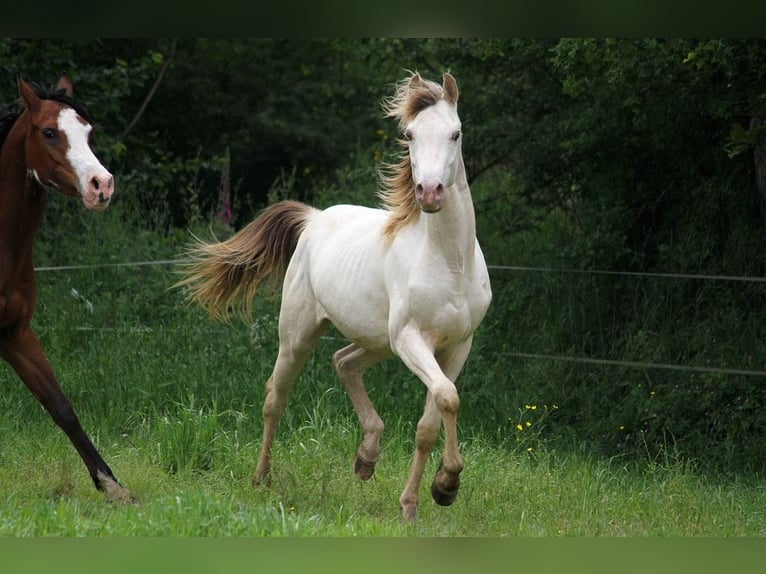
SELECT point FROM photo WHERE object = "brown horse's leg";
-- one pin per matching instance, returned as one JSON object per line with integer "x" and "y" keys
{"x": 350, "y": 363}
{"x": 26, "y": 357}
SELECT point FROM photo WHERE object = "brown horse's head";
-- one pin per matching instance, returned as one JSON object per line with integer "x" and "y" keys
{"x": 58, "y": 152}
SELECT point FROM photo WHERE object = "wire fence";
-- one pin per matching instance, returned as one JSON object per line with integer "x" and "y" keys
{"x": 526, "y": 269}
{"x": 738, "y": 278}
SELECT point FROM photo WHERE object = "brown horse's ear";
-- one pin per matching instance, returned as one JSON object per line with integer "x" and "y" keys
{"x": 31, "y": 99}
{"x": 65, "y": 84}
{"x": 449, "y": 85}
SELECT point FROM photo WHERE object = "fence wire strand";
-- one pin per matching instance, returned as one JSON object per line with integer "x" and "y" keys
{"x": 526, "y": 355}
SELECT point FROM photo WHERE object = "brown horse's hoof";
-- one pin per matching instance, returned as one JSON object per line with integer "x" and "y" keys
{"x": 114, "y": 491}
{"x": 122, "y": 497}
{"x": 363, "y": 469}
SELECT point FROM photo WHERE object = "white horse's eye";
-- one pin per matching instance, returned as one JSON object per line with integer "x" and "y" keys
{"x": 456, "y": 136}
{"x": 408, "y": 135}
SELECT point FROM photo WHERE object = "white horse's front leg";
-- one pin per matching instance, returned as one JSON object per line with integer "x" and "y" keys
{"x": 447, "y": 480}
{"x": 425, "y": 439}
{"x": 442, "y": 401}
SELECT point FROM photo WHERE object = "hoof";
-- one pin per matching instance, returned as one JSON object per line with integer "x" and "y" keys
{"x": 114, "y": 491}
{"x": 363, "y": 469}
{"x": 441, "y": 496}
{"x": 409, "y": 512}
{"x": 121, "y": 496}
{"x": 443, "y": 491}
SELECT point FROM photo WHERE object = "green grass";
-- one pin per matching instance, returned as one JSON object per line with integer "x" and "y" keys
{"x": 45, "y": 492}
{"x": 175, "y": 410}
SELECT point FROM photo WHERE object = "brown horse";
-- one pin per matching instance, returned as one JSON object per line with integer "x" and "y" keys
{"x": 44, "y": 145}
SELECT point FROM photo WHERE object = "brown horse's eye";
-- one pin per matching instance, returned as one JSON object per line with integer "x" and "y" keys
{"x": 49, "y": 133}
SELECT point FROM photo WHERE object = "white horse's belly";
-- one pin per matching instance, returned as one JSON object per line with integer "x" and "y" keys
{"x": 346, "y": 273}
{"x": 361, "y": 315}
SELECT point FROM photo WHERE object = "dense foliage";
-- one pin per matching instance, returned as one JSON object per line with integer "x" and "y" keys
{"x": 638, "y": 156}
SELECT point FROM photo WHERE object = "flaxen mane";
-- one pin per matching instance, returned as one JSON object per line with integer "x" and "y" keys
{"x": 397, "y": 191}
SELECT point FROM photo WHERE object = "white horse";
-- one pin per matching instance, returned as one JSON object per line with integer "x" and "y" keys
{"x": 408, "y": 280}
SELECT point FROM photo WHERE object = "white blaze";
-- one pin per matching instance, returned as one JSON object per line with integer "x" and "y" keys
{"x": 80, "y": 156}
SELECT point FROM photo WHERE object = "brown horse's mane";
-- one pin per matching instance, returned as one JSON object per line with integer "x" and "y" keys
{"x": 397, "y": 193}
{"x": 10, "y": 113}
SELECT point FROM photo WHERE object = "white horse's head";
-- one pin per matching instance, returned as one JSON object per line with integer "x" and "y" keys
{"x": 433, "y": 138}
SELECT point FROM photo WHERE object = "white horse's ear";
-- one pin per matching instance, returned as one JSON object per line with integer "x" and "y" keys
{"x": 449, "y": 85}
{"x": 415, "y": 81}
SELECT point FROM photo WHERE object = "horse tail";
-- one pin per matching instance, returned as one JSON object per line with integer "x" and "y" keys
{"x": 224, "y": 277}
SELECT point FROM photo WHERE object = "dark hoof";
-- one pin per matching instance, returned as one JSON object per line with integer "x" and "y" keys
{"x": 444, "y": 494}
{"x": 363, "y": 469}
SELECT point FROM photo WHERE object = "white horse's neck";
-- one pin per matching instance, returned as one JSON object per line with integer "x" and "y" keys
{"x": 452, "y": 230}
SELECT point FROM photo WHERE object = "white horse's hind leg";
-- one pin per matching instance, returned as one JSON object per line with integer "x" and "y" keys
{"x": 350, "y": 363}
{"x": 295, "y": 345}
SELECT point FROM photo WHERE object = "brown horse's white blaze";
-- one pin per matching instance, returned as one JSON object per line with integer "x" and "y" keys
{"x": 407, "y": 281}
{"x": 44, "y": 146}
{"x": 94, "y": 181}
{"x": 59, "y": 155}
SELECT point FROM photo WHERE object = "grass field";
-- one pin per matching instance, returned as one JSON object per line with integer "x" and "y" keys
{"x": 173, "y": 402}
{"x": 45, "y": 492}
